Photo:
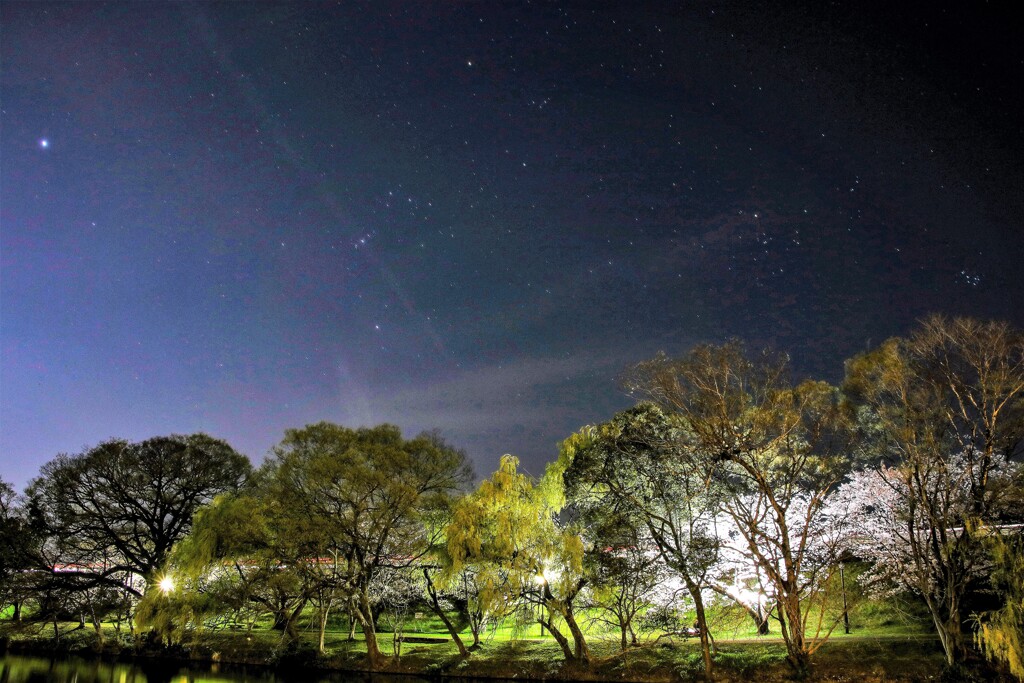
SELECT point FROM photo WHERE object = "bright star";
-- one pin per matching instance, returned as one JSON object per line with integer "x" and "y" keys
{"x": 44, "y": 143}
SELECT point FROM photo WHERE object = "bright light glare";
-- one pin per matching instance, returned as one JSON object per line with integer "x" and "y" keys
{"x": 166, "y": 584}
{"x": 547, "y": 576}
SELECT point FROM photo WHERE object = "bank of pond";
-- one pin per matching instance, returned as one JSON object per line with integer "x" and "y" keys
{"x": 231, "y": 657}
{"x": 79, "y": 669}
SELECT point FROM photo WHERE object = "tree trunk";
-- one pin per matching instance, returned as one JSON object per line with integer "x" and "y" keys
{"x": 702, "y": 624}
{"x": 365, "y": 615}
{"x": 792, "y": 628}
{"x": 436, "y": 606}
{"x": 582, "y": 651}
{"x": 373, "y": 652}
{"x": 761, "y": 619}
{"x": 950, "y": 635}
{"x": 562, "y": 641}
{"x": 476, "y": 636}
{"x": 98, "y": 626}
{"x": 324, "y": 611}
{"x": 286, "y": 621}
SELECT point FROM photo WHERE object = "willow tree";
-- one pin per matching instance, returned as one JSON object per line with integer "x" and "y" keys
{"x": 1000, "y": 633}
{"x": 780, "y": 450}
{"x": 239, "y": 560}
{"x": 508, "y": 533}
{"x": 946, "y": 409}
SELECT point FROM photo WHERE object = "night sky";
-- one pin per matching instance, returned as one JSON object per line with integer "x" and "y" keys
{"x": 239, "y": 218}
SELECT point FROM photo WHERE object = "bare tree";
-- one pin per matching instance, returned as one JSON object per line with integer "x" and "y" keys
{"x": 946, "y": 412}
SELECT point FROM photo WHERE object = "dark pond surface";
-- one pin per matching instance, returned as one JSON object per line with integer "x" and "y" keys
{"x": 29, "y": 669}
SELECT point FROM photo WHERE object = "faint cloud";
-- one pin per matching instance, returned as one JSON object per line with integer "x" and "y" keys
{"x": 523, "y": 407}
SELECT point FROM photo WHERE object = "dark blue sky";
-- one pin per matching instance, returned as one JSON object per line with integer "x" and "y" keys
{"x": 471, "y": 217}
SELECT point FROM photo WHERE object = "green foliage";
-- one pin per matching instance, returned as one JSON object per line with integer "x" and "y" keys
{"x": 332, "y": 510}
{"x": 724, "y": 481}
{"x": 1000, "y": 633}
{"x": 507, "y": 529}
{"x": 747, "y": 660}
{"x": 507, "y": 532}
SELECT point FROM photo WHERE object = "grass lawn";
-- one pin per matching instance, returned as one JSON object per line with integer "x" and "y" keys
{"x": 890, "y": 640}
{"x": 877, "y": 654}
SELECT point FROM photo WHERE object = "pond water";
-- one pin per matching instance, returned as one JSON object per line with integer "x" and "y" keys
{"x": 32, "y": 669}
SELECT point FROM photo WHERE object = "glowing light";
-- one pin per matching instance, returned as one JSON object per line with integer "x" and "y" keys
{"x": 166, "y": 585}
{"x": 546, "y": 576}
{"x": 44, "y": 143}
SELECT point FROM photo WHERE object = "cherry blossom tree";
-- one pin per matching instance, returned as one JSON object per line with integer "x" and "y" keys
{"x": 945, "y": 410}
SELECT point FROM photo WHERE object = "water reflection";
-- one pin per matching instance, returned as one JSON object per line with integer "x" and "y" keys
{"x": 25, "y": 669}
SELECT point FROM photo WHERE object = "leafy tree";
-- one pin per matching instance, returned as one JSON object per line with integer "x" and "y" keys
{"x": 946, "y": 407}
{"x": 780, "y": 450}
{"x": 336, "y": 508}
{"x": 507, "y": 532}
{"x": 1000, "y": 634}
{"x": 113, "y": 512}
{"x": 362, "y": 496}
{"x": 635, "y": 475}
{"x": 628, "y": 573}
{"x": 18, "y": 543}
{"x": 237, "y": 558}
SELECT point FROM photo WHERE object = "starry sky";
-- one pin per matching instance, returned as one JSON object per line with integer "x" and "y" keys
{"x": 471, "y": 217}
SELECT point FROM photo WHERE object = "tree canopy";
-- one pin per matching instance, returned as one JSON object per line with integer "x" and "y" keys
{"x": 114, "y": 511}
{"x": 731, "y": 483}
{"x": 335, "y": 507}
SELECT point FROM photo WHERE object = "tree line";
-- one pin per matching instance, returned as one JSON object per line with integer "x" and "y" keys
{"x": 729, "y": 482}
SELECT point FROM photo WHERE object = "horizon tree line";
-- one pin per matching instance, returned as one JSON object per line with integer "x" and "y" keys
{"x": 727, "y": 483}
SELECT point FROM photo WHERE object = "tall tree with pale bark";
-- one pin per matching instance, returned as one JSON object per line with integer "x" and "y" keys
{"x": 946, "y": 413}
{"x": 780, "y": 449}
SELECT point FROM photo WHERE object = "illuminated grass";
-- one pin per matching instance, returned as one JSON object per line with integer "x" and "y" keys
{"x": 889, "y": 642}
